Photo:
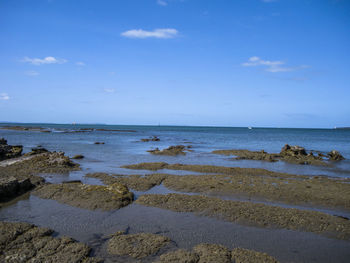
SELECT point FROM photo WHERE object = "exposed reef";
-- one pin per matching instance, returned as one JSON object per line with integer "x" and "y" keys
{"x": 215, "y": 253}
{"x": 78, "y": 156}
{"x": 292, "y": 154}
{"x": 86, "y": 196}
{"x": 151, "y": 139}
{"x": 136, "y": 182}
{"x": 255, "y": 214}
{"x": 136, "y": 246}
{"x": 171, "y": 151}
{"x": 19, "y": 175}
{"x": 23, "y": 242}
{"x": 257, "y": 183}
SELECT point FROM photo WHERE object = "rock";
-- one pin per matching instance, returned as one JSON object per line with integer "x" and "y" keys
{"x": 99, "y": 143}
{"x": 9, "y": 151}
{"x": 151, "y": 139}
{"x": 242, "y": 255}
{"x": 172, "y": 150}
{"x": 23, "y": 242}
{"x": 86, "y": 196}
{"x": 136, "y": 245}
{"x": 212, "y": 253}
{"x": 12, "y": 187}
{"x": 207, "y": 253}
{"x": 37, "y": 150}
{"x": 179, "y": 256}
{"x": 78, "y": 156}
{"x": 335, "y": 156}
{"x": 293, "y": 150}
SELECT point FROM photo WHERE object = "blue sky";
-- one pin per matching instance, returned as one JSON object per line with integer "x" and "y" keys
{"x": 272, "y": 63}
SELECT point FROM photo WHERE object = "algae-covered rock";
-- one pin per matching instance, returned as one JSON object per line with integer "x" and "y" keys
{"x": 172, "y": 150}
{"x": 91, "y": 197}
{"x": 9, "y": 151}
{"x": 135, "y": 181}
{"x": 249, "y": 155}
{"x": 335, "y": 156}
{"x": 151, "y": 139}
{"x": 242, "y": 255}
{"x": 207, "y": 253}
{"x": 12, "y": 187}
{"x": 23, "y": 242}
{"x": 136, "y": 245}
{"x": 257, "y": 214}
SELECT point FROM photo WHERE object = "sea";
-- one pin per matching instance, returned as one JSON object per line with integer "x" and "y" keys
{"x": 123, "y": 145}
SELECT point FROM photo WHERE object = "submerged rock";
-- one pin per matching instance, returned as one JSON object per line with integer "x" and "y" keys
{"x": 9, "y": 151}
{"x": 172, "y": 150}
{"x": 23, "y": 242}
{"x": 78, "y": 156}
{"x": 136, "y": 245}
{"x": 86, "y": 196}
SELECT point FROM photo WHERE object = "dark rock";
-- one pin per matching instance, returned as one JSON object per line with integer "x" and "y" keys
{"x": 151, "y": 139}
{"x": 23, "y": 242}
{"x": 172, "y": 150}
{"x": 9, "y": 151}
{"x": 11, "y": 187}
{"x": 78, "y": 156}
{"x": 335, "y": 156}
{"x": 37, "y": 150}
{"x": 99, "y": 143}
{"x": 293, "y": 150}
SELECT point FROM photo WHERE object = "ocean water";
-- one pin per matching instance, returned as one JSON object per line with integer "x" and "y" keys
{"x": 123, "y": 148}
{"x": 185, "y": 229}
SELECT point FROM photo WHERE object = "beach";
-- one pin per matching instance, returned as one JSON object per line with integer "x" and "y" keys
{"x": 181, "y": 192}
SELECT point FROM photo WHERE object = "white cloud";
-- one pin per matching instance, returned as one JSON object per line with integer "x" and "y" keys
{"x": 46, "y": 60}
{"x": 4, "y": 96}
{"x": 156, "y": 33}
{"x": 162, "y": 2}
{"x": 270, "y": 66}
{"x": 109, "y": 90}
{"x": 79, "y": 63}
{"x": 32, "y": 73}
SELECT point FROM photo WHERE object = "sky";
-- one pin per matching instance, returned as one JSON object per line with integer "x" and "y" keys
{"x": 260, "y": 63}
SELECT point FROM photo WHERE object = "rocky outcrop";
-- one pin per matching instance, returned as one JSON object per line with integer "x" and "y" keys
{"x": 9, "y": 151}
{"x": 289, "y": 153}
{"x": 23, "y": 242}
{"x": 151, "y": 139}
{"x": 335, "y": 156}
{"x": 86, "y": 196}
{"x": 19, "y": 175}
{"x": 136, "y": 245}
{"x": 172, "y": 150}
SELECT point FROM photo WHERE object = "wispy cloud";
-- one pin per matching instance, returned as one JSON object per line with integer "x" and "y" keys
{"x": 156, "y": 33}
{"x": 162, "y": 2}
{"x": 46, "y": 60}
{"x": 270, "y": 66}
{"x": 31, "y": 73}
{"x": 4, "y": 96}
{"x": 109, "y": 90}
{"x": 79, "y": 63}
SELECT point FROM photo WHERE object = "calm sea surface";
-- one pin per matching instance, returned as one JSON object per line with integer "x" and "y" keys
{"x": 122, "y": 148}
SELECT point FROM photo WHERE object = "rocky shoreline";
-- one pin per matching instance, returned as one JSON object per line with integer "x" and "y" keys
{"x": 23, "y": 242}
